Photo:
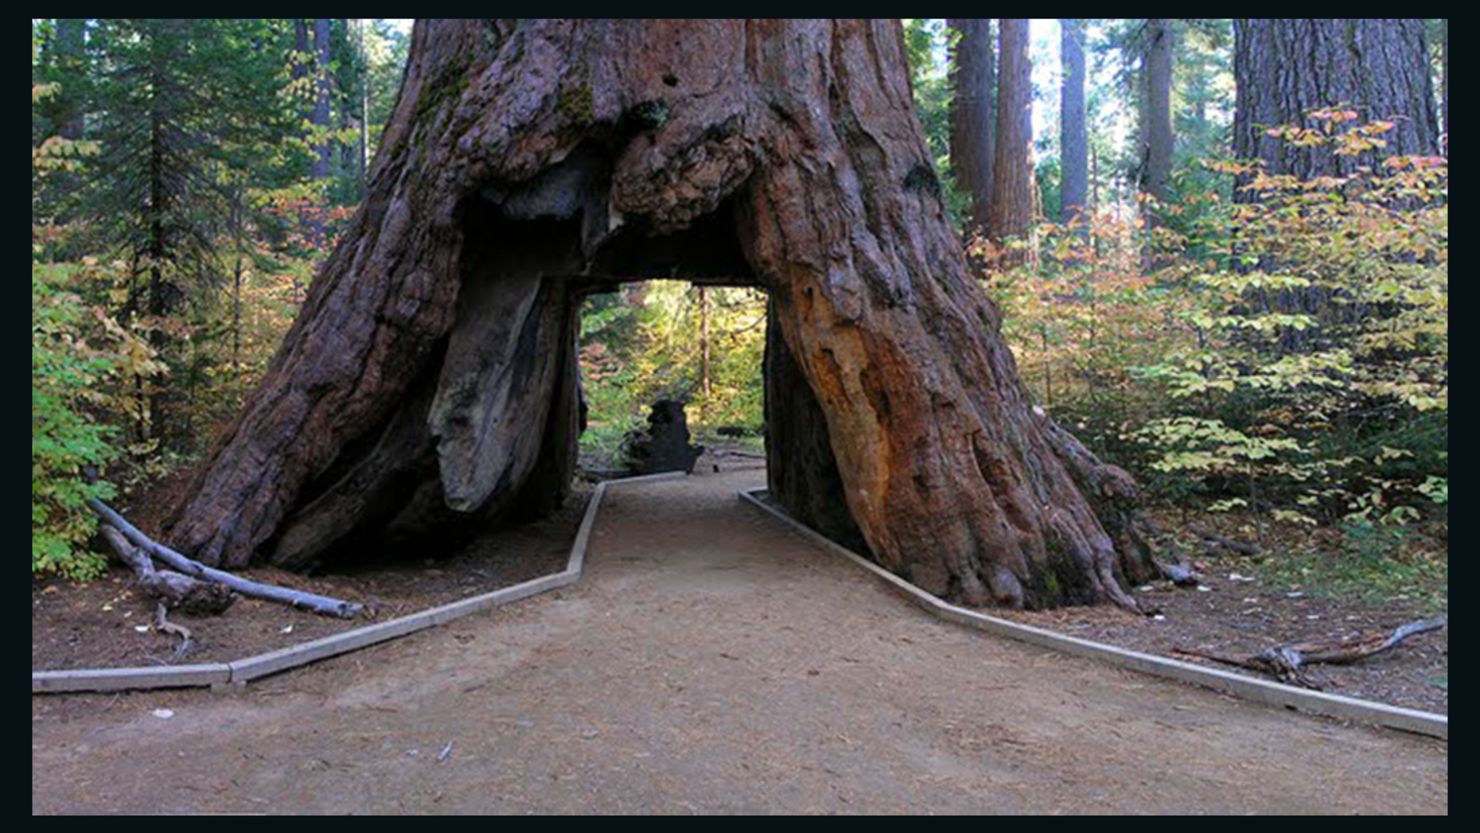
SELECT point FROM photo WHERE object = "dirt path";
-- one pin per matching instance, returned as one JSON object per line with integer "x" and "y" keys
{"x": 712, "y": 661}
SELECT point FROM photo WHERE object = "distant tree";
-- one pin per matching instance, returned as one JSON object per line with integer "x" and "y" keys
{"x": 183, "y": 109}
{"x": 1156, "y": 112}
{"x": 321, "y": 86}
{"x": 1074, "y": 141}
{"x": 1011, "y": 210}
{"x": 973, "y": 114}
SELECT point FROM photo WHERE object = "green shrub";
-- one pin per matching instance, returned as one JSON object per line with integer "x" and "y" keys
{"x": 78, "y": 355}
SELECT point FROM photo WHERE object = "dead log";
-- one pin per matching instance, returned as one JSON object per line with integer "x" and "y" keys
{"x": 1181, "y": 574}
{"x": 1288, "y": 662}
{"x": 167, "y": 587}
{"x": 194, "y": 569}
{"x": 1234, "y": 546}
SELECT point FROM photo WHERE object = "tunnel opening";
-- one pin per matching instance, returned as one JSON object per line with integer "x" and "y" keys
{"x": 523, "y": 393}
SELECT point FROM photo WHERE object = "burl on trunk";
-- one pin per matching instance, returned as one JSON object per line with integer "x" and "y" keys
{"x": 430, "y": 380}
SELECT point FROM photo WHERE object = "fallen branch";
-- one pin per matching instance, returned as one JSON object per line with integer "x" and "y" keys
{"x": 1180, "y": 573}
{"x": 167, "y": 587}
{"x": 164, "y": 625}
{"x": 1287, "y": 662}
{"x": 283, "y": 595}
{"x": 1240, "y": 547}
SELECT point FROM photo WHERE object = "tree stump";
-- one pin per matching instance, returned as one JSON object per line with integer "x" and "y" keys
{"x": 664, "y": 444}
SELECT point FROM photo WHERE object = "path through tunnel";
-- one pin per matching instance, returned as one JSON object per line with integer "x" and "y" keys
{"x": 488, "y": 432}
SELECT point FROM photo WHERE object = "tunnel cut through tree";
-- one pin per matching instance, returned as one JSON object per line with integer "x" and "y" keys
{"x": 430, "y": 380}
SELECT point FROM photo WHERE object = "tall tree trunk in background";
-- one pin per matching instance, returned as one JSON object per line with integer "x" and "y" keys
{"x": 69, "y": 46}
{"x": 430, "y": 380}
{"x": 1285, "y": 68}
{"x": 1074, "y": 140}
{"x": 704, "y": 384}
{"x": 362, "y": 169}
{"x": 157, "y": 249}
{"x": 321, "y": 88}
{"x": 974, "y": 114}
{"x": 1011, "y": 210}
{"x": 301, "y": 62}
{"x": 1156, "y": 125}
{"x": 1444, "y": 46}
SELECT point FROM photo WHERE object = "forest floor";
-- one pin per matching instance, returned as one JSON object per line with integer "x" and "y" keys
{"x": 104, "y": 624}
{"x": 1243, "y": 613}
{"x": 712, "y": 660}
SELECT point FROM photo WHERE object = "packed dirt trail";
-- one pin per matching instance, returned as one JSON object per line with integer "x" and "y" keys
{"x": 710, "y": 660}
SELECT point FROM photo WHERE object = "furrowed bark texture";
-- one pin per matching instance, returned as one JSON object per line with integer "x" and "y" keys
{"x": 429, "y": 382}
{"x": 1284, "y": 68}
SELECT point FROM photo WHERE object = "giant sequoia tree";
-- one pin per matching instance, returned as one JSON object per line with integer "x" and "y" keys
{"x": 430, "y": 381}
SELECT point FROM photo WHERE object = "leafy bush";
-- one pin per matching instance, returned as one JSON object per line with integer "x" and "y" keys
{"x": 78, "y": 355}
{"x": 1286, "y": 355}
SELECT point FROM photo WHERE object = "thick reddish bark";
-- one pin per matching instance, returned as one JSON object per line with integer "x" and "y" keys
{"x": 527, "y": 157}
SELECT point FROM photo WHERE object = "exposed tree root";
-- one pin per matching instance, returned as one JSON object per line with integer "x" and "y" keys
{"x": 168, "y": 584}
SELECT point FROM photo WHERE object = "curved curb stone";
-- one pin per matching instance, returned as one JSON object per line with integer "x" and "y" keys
{"x": 238, "y": 672}
{"x": 1262, "y": 691}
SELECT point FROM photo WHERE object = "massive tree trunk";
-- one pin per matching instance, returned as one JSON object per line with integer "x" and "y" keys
{"x": 1074, "y": 140}
{"x": 429, "y": 382}
{"x": 1011, "y": 211}
{"x": 1156, "y": 112}
{"x": 974, "y": 114}
{"x": 1285, "y": 68}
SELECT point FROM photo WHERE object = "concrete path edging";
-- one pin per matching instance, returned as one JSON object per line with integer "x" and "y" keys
{"x": 239, "y": 672}
{"x": 1250, "y": 688}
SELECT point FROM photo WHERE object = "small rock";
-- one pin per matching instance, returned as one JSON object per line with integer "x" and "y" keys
{"x": 1296, "y": 594}
{"x": 1203, "y": 588}
{"x": 163, "y": 714}
{"x": 589, "y": 733}
{"x": 141, "y": 628}
{"x": 1158, "y": 618}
